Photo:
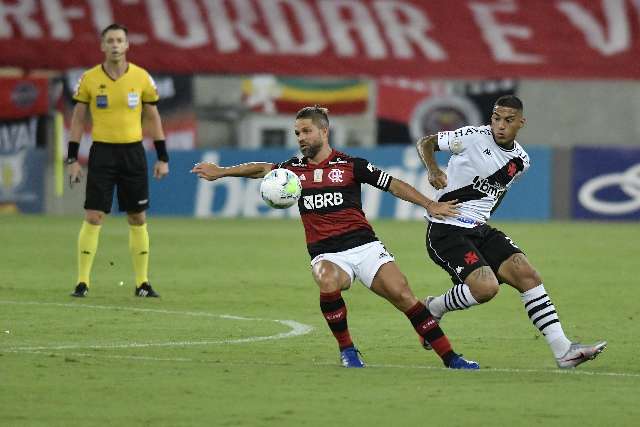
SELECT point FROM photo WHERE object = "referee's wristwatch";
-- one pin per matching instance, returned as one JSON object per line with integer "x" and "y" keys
{"x": 70, "y": 160}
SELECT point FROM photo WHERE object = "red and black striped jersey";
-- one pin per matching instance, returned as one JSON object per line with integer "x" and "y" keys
{"x": 331, "y": 202}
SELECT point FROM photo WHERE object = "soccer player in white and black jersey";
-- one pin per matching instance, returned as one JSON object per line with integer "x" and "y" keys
{"x": 340, "y": 240}
{"x": 485, "y": 162}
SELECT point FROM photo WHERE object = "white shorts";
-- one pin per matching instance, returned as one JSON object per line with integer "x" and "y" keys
{"x": 362, "y": 262}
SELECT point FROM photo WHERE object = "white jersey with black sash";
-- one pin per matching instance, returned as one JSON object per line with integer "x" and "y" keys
{"x": 479, "y": 173}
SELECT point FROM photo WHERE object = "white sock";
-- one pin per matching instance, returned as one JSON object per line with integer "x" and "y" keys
{"x": 543, "y": 315}
{"x": 457, "y": 298}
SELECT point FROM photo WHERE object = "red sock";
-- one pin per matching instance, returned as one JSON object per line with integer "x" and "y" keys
{"x": 427, "y": 327}
{"x": 335, "y": 313}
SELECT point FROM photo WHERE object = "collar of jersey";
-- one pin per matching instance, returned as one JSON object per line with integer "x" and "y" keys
{"x": 323, "y": 163}
{"x": 500, "y": 146}
{"x": 111, "y": 78}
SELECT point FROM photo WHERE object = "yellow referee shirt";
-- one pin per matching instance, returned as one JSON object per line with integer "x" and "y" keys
{"x": 116, "y": 105}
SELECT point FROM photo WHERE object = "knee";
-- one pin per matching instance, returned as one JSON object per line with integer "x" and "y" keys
{"x": 329, "y": 285}
{"x": 137, "y": 218}
{"x": 399, "y": 293}
{"x": 483, "y": 284}
{"x": 328, "y": 278}
{"x": 94, "y": 217}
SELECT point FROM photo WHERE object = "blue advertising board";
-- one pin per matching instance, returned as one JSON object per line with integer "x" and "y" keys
{"x": 605, "y": 183}
{"x": 22, "y": 179}
{"x": 22, "y": 165}
{"x": 182, "y": 193}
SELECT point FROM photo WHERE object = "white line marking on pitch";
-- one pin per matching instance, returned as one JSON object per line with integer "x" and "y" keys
{"x": 297, "y": 329}
{"x": 375, "y": 366}
{"x": 522, "y": 371}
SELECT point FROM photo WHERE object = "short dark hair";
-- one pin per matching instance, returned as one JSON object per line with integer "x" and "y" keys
{"x": 510, "y": 101}
{"x": 318, "y": 115}
{"x": 114, "y": 26}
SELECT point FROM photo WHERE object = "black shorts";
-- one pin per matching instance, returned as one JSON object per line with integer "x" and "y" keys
{"x": 117, "y": 165}
{"x": 460, "y": 250}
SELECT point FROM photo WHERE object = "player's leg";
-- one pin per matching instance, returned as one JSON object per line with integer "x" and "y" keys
{"x": 454, "y": 249}
{"x": 333, "y": 274}
{"x": 101, "y": 180}
{"x": 377, "y": 270}
{"x": 87, "y": 247}
{"x": 519, "y": 273}
{"x": 139, "y": 249}
{"x": 133, "y": 198}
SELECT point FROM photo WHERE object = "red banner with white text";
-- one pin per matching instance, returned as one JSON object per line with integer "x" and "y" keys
{"x": 412, "y": 38}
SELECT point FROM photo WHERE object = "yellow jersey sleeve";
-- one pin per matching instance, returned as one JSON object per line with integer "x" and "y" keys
{"x": 150, "y": 91}
{"x": 81, "y": 92}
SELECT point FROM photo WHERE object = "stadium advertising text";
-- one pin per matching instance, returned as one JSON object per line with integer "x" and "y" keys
{"x": 184, "y": 195}
{"x": 368, "y": 37}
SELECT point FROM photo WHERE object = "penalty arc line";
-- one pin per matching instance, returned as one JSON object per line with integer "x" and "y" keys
{"x": 296, "y": 329}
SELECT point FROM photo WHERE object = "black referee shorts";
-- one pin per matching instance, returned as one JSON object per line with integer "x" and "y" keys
{"x": 460, "y": 250}
{"x": 121, "y": 166}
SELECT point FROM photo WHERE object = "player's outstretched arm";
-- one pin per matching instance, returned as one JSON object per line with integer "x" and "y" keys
{"x": 211, "y": 171}
{"x": 426, "y": 147}
{"x": 407, "y": 192}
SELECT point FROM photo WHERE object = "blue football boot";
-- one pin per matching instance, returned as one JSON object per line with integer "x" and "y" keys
{"x": 458, "y": 362}
{"x": 350, "y": 358}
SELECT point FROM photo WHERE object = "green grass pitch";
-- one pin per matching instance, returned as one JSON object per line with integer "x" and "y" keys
{"x": 195, "y": 356}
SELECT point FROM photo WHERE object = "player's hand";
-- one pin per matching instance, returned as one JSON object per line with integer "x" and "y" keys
{"x": 441, "y": 210}
{"x": 74, "y": 170}
{"x": 207, "y": 170}
{"x": 438, "y": 179}
{"x": 160, "y": 169}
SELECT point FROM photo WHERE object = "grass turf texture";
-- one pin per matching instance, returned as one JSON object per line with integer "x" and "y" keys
{"x": 259, "y": 269}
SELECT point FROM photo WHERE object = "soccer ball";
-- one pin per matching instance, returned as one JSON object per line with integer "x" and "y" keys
{"x": 280, "y": 188}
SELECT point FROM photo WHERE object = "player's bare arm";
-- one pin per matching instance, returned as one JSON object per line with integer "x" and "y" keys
{"x": 426, "y": 147}
{"x": 211, "y": 171}
{"x": 152, "y": 121}
{"x": 407, "y": 192}
{"x": 75, "y": 134}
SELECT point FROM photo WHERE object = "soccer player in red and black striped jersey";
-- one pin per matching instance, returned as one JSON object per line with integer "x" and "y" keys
{"x": 340, "y": 240}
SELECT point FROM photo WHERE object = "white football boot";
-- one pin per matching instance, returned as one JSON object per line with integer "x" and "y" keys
{"x": 580, "y": 353}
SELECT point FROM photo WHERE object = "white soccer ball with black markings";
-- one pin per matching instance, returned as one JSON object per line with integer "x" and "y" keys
{"x": 280, "y": 188}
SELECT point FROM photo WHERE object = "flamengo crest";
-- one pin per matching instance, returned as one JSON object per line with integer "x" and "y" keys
{"x": 335, "y": 175}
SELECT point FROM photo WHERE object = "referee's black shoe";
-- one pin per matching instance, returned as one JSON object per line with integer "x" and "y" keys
{"x": 81, "y": 290}
{"x": 145, "y": 290}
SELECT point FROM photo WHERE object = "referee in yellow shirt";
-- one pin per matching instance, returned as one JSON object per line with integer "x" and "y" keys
{"x": 119, "y": 96}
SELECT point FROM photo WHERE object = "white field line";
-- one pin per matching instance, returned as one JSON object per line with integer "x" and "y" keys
{"x": 336, "y": 364}
{"x": 296, "y": 329}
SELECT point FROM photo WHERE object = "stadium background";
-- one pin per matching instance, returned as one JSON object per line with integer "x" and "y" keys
{"x": 231, "y": 73}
